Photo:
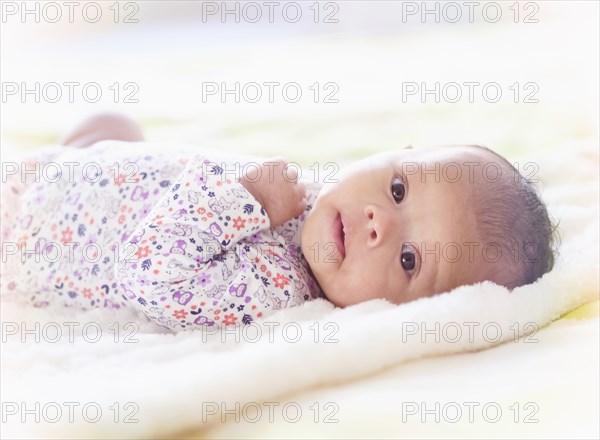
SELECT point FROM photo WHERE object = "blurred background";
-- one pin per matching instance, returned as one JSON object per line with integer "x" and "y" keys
{"x": 154, "y": 60}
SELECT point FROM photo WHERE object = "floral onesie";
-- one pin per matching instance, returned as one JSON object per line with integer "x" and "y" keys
{"x": 174, "y": 235}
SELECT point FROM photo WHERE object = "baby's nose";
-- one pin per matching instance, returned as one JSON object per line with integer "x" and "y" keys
{"x": 378, "y": 225}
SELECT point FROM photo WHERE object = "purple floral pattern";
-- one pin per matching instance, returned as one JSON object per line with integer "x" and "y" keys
{"x": 178, "y": 240}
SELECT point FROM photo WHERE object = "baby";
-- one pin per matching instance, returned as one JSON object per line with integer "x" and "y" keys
{"x": 191, "y": 244}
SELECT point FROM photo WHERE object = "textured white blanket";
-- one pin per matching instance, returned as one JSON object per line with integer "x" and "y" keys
{"x": 90, "y": 385}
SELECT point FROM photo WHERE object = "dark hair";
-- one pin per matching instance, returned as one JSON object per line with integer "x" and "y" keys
{"x": 512, "y": 216}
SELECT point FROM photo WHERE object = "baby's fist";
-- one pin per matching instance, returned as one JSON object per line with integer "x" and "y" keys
{"x": 275, "y": 186}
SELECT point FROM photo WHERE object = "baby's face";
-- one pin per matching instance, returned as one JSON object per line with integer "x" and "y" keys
{"x": 384, "y": 229}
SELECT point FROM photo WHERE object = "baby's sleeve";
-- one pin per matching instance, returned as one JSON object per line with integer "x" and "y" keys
{"x": 182, "y": 265}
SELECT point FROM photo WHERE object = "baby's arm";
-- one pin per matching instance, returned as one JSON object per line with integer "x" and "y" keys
{"x": 183, "y": 258}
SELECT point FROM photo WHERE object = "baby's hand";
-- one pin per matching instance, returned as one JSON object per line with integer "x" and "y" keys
{"x": 277, "y": 189}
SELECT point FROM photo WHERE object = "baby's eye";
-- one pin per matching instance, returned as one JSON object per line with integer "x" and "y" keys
{"x": 398, "y": 189}
{"x": 408, "y": 259}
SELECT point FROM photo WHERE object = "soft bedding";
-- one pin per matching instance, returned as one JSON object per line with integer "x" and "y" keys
{"x": 177, "y": 382}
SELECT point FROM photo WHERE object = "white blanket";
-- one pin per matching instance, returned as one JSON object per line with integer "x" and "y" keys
{"x": 175, "y": 382}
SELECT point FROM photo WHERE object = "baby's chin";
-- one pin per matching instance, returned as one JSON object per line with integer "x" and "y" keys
{"x": 335, "y": 301}
{"x": 342, "y": 301}
{"x": 339, "y": 298}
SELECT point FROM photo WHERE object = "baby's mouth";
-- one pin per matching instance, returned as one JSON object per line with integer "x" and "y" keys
{"x": 339, "y": 235}
{"x": 343, "y": 233}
